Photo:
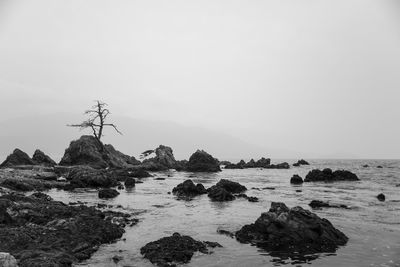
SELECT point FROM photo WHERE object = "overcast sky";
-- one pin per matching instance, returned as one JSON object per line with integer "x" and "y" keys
{"x": 314, "y": 76}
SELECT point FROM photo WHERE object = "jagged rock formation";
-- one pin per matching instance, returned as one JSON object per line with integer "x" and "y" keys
{"x": 39, "y": 157}
{"x": 301, "y": 162}
{"x": 201, "y": 161}
{"x": 296, "y": 179}
{"x": 87, "y": 151}
{"x": 163, "y": 160}
{"x": 188, "y": 189}
{"x": 261, "y": 163}
{"x": 18, "y": 157}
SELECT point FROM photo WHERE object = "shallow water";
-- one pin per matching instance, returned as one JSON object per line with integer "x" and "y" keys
{"x": 373, "y": 227}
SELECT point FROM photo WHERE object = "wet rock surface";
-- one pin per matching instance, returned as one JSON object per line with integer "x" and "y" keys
{"x": 175, "y": 249}
{"x": 18, "y": 157}
{"x": 188, "y": 189}
{"x": 216, "y": 193}
{"x": 315, "y": 204}
{"x": 130, "y": 182}
{"x": 230, "y": 186}
{"x": 301, "y": 162}
{"x": 261, "y": 163}
{"x": 108, "y": 193}
{"x": 83, "y": 177}
{"x": 43, "y": 232}
{"x": 225, "y": 189}
{"x": 327, "y": 175}
{"x": 163, "y": 160}
{"x": 381, "y": 197}
{"x": 39, "y": 157}
{"x": 201, "y": 161}
{"x": 293, "y": 231}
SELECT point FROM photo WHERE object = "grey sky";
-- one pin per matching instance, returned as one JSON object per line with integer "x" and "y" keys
{"x": 319, "y": 77}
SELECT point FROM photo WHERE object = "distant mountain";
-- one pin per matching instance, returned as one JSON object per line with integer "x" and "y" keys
{"x": 50, "y": 134}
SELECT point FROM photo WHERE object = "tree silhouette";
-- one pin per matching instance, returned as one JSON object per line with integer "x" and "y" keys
{"x": 97, "y": 120}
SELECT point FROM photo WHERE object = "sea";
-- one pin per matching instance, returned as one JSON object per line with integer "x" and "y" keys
{"x": 373, "y": 227}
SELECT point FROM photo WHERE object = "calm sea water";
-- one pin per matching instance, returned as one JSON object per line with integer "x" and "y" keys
{"x": 373, "y": 227}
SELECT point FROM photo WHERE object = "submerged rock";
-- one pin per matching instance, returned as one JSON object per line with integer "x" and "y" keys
{"x": 381, "y": 197}
{"x": 315, "y": 204}
{"x": 41, "y": 158}
{"x": 292, "y": 231}
{"x": 108, "y": 193}
{"x": 189, "y": 189}
{"x": 140, "y": 173}
{"x": 296, "y": 179}
{"x": 201, "y": 161}
{"x": 283, "y": 165}
{"x": 327, "y": 175}
{"x": 175, "y": 249}
{"x": 88, "y": 151}
{"x": 18, "y": 157}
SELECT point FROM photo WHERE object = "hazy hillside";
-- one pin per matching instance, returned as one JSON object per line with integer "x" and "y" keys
{"x": 50, "y": 134}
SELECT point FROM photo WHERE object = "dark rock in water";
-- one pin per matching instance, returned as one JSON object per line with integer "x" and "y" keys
{"x": 163, "y": 160}
{"x": 315, "y": 204}
{"x": 18, "y": 157}
{"x": 117, "y": 258}
{"x": 108, "y": 193}
{"x": 366, "y": 166}
{"x": 217, "y": 193}
{"x": 181, "y": 165}
{"x": 327, "y": 175}
{"x": 17, "y": 185}
{"x": 159, "y": 178}
{"x": 379, "y": 167}
{"x": 225, "y": 162}
{"x": 140, "y": 173}
{"x": 175, "y": 249}
{"x": 301, "y": 162}
{"x": 130, "y": 182}
{"x": 201, "y": 161}
{"x": 88, "y": 151}
{"x": 41, "y": 158}
{"x": 381, "y": 197}
{"x": 263, "y": 163}
{"x": 51, "y": 233}
{"x": 189, "y": 189}
{"x": 87, "y": 177}
{"x": 283, "y": 165}
{"x": 294, "y": 231}
{"x": 296, "y": 179}
{"x": 230, "y": 186}
{"x": 250, "y": 164}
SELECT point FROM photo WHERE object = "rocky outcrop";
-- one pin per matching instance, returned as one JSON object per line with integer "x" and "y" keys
{"x": 224, "y": 190}
{"x": 83, "y": 176}
{"x": 108, "y": 193}
{"x": 296, "y": 179}
{"x": 283, "y": 165}
{"x": 175, "y": 249}
{"x": 18, "y": 157}
{"x": 51, "y": 233}
{"x": 87, "y": 151}
{"x": 261, "y": 163}
{"x": 164, "y": 159}
{"x": 301, "y": 162}
{"x": 140, "y": 173}
{"x": 201, "y": 161}
{"x": 230, "y": 186}
{"x": 327, "y": 175}
{"x": 188, "y": 189}
{"x": 216, "y": 193}
{"x": 41, "y": 158}
{"x": 295, "y": 230}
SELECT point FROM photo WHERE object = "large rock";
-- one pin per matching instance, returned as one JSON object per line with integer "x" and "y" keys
{"x": 216, "y": 193}
{"x": 283, "y": 165}
{"x": 39, "y": 157}
{"x": 296, "y": 231}
{"x": 230, "y": 186}
{"x": 263, "y": 163}
{"x": 301, "y": 162}
{"x": 130, "y": 182}
{"x": 201, "y": 161}
{"x": 188, "y": 189}
{"x": 18, "y": 157}
{"x": 87, "y": 151}
{"x": 296, "y": 179}
{"x": 7, "y": 260}
{"x": 327, "y": 175}
{"x": 175, "y": 249}
{"x": 163, "y": 160}
{"x": 83, "y": 176}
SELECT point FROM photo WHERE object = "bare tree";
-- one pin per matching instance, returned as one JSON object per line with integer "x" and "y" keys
{"x": 97, "y": 120}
